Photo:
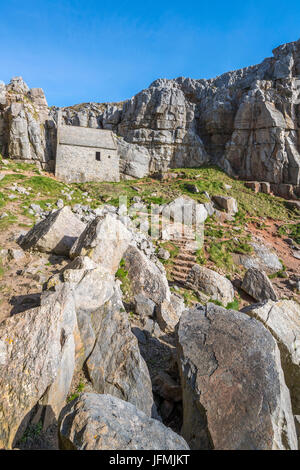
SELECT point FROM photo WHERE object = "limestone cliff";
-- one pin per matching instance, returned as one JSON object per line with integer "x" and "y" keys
{"x": 246, "y": 121}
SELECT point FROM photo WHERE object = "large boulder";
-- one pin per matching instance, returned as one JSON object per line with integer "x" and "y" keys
{"x": 257, "y": 284}
{"x": 145, "y": 276}
{"x": 263, "y": 258}
{"x": 103, "y": 422}
{"x": 105, "y": 344}
{"x": 282, "y": 319}
{"x": 37, "y": 359}
{"x": 104, "y": 240}
{"x": 211, "y": 283}
{"x": 55, "y": 234}
{"x": 234, "y": 393}
{"x": 227, "y": 203}
{"x": 115, "y": 365}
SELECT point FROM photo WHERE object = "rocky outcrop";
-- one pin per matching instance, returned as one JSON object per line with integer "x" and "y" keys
{"x": 27, "y": 131}
{"x": 246, "y": 121}
{"x": 227, "y": 203}
{"x": 211, "y": 283}
{"x": 115, "y": 365}
{"x": 146, "y": 277}
{"x": 234, "y": 392}
{"x": 55, "y": 234}
{"x": 134, "y": 160}
{"x": 262, "y": 258}
{"x": 105, "y": 345}
{"x": 282, "y": 319}
{"x": 103, "y": 422}
{"x": 37, "y": 360}
{"x": 257, "y": 284}
{"x": 104, "y": 241}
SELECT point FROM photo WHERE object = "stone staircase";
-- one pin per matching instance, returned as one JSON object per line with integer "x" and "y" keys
{"x": 184, "y": 261}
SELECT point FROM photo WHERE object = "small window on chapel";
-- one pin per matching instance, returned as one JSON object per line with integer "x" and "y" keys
{"x": 98, "y": 156}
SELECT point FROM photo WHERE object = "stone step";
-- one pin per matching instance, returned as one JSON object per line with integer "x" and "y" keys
{"x": 179, "y": 280}
{"x": 184, "y": 262}
{"x": 181, "y": 269}
{"x": 186, "y": 257}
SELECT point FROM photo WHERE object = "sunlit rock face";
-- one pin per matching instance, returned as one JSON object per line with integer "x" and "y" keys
{"x": 245, "y": 121}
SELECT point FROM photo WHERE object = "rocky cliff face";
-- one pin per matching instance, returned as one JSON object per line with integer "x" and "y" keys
{"x": 27, "y": 130}
{"x": 246, "y": 121}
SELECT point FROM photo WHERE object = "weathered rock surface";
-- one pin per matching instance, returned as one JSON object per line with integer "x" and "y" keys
{"x": 27, "y": 131}
{"x": 167, "y": 317}
{"x": 211, "y": 283}
{"x": 115, "y": 365}
{"x": 105, "y": 344}
{"x": 145, "y": 276}
{"x": 263, "y": 259}
{"x": 104, "y": 240}
{"x": 103, "y": 422}
{"x": 234, "y": 393}
{"x": 134, "y": 159}
{"x": 227, "y": 203}
{"x": 55, "y": 234}
{"x": 37, "y": 359}
{"x": 282, "y": 319}
{"x": 257, "y": 284}
{"x": 144, "y": 306}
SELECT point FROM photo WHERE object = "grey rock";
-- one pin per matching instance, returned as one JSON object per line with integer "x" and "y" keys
{"x": 145, "y": 277}
{"x": 134, "y": 159}
{"x": 263, "y": 259}
{"x": 296, "y": 254}
{"x": 227, "y": 203}
{"x": 234, "y": 392}
{"x": 163, "y": 254}
{"x": 282, "y": 319}
{"x": 186, "y": 210}
{"x": 167, "y": 317}
{"x": 257, "y": 284}
{"x": 55, "y": 234}
{"x": 15, "y": 254}
{"x": 37, "y": 359}
{"x": 211, "y": 283}
{"x": 60, "y": 203}
{"x": 104, "y": 240}
{"x": 115, "y": 365}
{"x": 103, "y": 422}
{"x": 105, "y": 343}
{"x": 144, "y": 306}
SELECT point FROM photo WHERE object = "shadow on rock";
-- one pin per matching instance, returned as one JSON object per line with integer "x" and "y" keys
{"x": 21, "y": 303}
{"x": 38, "y": 430}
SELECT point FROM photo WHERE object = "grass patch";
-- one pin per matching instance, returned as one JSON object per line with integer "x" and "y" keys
{"x": 291, "y": 231}
{"x": 234, "y": 305}
{"x": 78, "y": 391}
{"x": 122, "y": 275}
{"x": 220, "y": 256}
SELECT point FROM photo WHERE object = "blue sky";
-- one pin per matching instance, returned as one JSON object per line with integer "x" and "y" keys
{"x": 90, "y": 50}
